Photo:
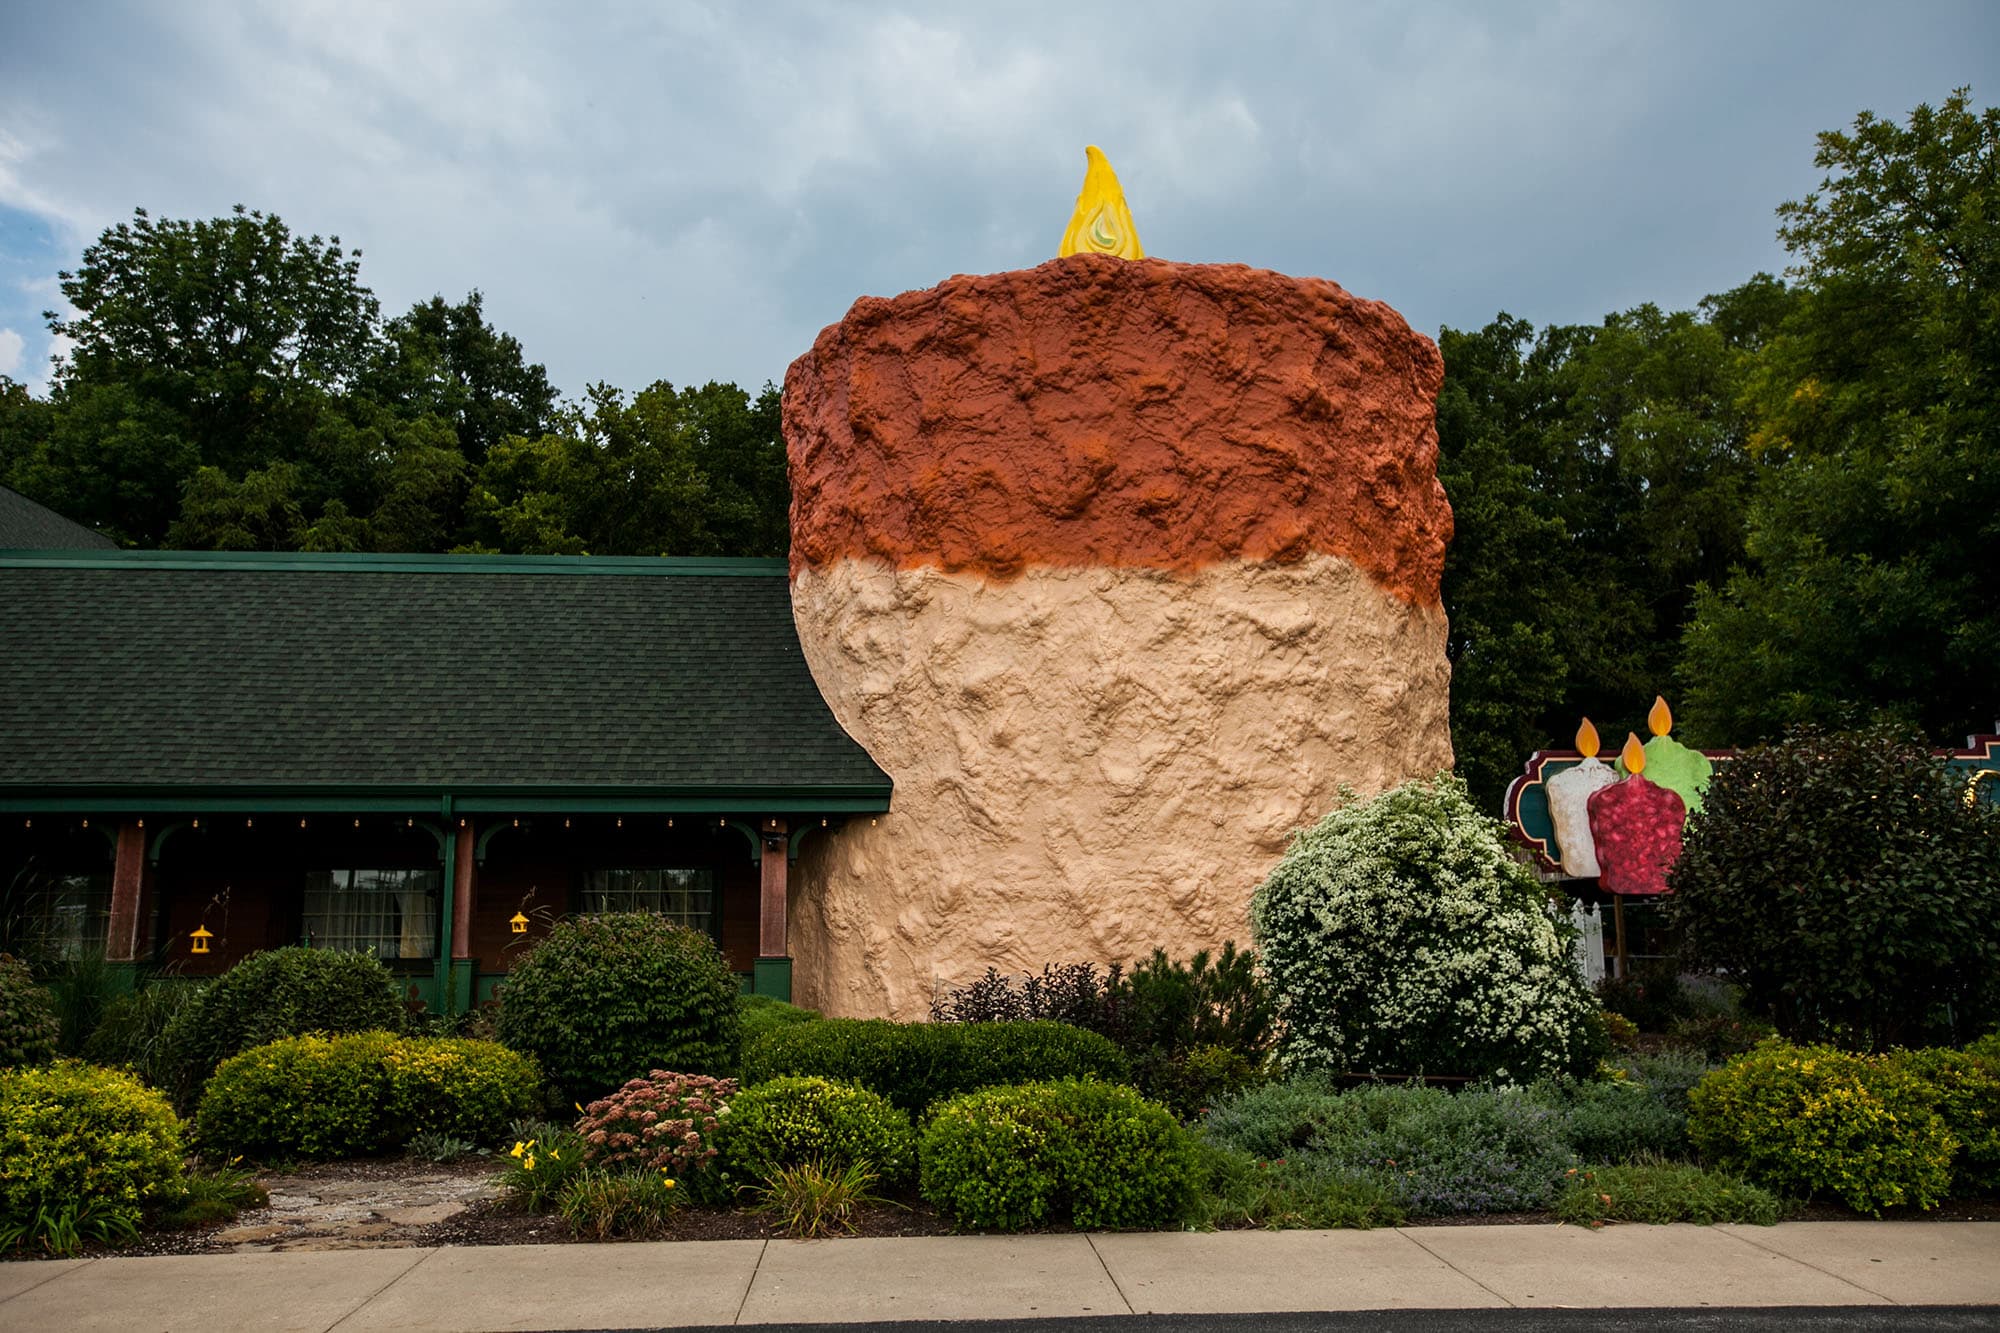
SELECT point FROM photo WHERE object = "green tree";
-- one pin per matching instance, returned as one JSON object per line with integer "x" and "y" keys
{"x": 1597, "y": 473}
{"x": 669, "y": 472}
{"x": 1870, "y": 587}
{"x": 446, "y": 361}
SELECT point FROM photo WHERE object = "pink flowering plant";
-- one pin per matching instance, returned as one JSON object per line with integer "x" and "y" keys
{"x": 662, "y": 1122}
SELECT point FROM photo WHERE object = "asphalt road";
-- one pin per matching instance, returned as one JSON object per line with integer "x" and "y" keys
{"x": 1806, "y": 1319}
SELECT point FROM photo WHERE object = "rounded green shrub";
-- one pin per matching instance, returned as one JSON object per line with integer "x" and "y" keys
{"x": 361, "y": 1094}
{"x": 1079, "y": 1151}
{"x": 91, "y": 1141}
{"x": 604, "y": 999}
{"x": 29, "y": 1027}
{"x": 1845, "y": 882}
{"x": 761, "y": 1013}
{"x": 792, "y": 1121}
{"x": 272, "y": 995}
{"x": 1401, "y": 937}
{"x": 916, "y": 1064}
{"x": 1813, "y": 1120}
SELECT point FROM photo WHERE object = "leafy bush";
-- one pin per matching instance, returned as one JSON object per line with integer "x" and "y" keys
{"x": 788, "y": 1122}
{"x": 361, "y": 1094}
{"x": 1846, "y": 882}
{"x": 1652, "y": 997}
{"x": 132, "y": 1033}
{"x": 662, "y": 1122}
{"x": 29, "y": 1028}
{"x": 270, "y": 996}
{"x": 760, "y": 1013}
{"x": 428, "y": 1145}
{"x": 1965, "y": 1092}
{"x": 1401, "y": 937}
{"x": 1719, "y": 1036}
{"x": 208, "y": 1195}
{"x": 603, "y": 999}
{"x": 1093, "y": 1154}
{"x": 1814, "y": 1120}
{"x": 1284, "y": 1193}
{"x": 1618, "y": 1120}
{"x": 540, "y": 1167}
{"x": 1194, "y": 1031}
{"x": 1070, "y": 993}
{"x": 1477, "y": 1151}
{"x": 85, "y": 1151}
{"x": 915, "y": 1064}
{"x": 1669, "y": 1075}
{"x": 812, "y": 1199}
{"x": 603, "y": 1204}
{"x": 1661, "y": 1192}
{"x": 82, "y": 987}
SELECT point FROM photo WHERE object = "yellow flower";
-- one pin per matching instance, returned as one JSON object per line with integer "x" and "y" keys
{"x": 529, "y": 1162}
{"x": 519, "y": 1148}
{"x": 669, "y": 1183}
{"x": 555, "y": 1154}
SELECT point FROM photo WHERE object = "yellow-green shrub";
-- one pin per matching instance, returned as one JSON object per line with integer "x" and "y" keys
{"x": 1812, "y": 1120}
{"x": 788, "y": 1122}
{"x": 1965, "y": 1091}
{"x": 362, "y": 1093}
{"x": 89, "y": 1140}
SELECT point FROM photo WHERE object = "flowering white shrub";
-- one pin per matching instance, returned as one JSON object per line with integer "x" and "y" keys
{"x": 1401, "y": 938}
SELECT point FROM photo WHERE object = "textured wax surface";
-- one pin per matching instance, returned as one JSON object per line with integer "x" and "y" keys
{"x": 1090, "y": 763}
{"x": 1636, "y": 827}
{"x": 1104, "y": 412}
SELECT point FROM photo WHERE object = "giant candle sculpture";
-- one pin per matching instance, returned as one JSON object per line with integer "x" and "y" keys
{"x": 1636, "y": 828}
{"x": 1121, "y": 568}
{"x": 1569, "y": 794}
{"x": 1670, "y": 764}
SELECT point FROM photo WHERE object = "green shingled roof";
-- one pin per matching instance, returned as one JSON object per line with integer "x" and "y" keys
{"x": 162, "y": 671}
{"x": 27, "y": 526}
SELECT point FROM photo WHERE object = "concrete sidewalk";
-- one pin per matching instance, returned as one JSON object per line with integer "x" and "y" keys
{"x": 989, "y": 1277}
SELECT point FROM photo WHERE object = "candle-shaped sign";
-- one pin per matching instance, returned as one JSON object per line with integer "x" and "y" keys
{"x": 1636, "y": 828}
{"x": 1569, "y": 795}
{"x": 1670, "y": 764}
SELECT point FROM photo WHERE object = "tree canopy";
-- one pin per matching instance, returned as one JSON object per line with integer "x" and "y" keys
{"x": 233, "y": 386}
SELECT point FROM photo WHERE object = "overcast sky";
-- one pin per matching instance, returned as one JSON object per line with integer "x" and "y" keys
{"x": 691, "y": 191}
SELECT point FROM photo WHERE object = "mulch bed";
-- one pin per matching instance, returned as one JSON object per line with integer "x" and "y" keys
{"x": 496, "y": 1222}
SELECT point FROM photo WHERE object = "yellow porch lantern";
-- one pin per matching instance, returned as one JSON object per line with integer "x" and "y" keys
{"x": 519, "y": 921}
{"x": 200, "y": 938}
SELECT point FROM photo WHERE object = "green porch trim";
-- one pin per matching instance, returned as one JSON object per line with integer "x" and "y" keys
{"x": 750, "y": 836}
{"x": 625, "y": 566}
{"x": 772, "y": 977}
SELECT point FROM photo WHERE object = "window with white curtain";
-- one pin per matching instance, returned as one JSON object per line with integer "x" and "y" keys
{"x": 62, "y": 917}
{"x": 685, "y": 897}
{"x": 389, "y": 913}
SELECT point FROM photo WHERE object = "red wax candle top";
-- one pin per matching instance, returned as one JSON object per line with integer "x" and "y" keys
{"x": 1636, "y": 825}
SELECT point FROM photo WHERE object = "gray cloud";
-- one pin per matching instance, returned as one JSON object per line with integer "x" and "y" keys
{"x": 691, "y": 191}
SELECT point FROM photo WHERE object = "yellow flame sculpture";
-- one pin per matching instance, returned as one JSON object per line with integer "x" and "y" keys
{"x": 1586, "y": 740}
{"x": 1660, "y": 719}
{"x": 1634, "y": 755}
{"x": 1101, "y": 224}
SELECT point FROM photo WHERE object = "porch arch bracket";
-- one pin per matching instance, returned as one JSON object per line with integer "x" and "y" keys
{"x": 479, "y": 848}
{"x": 799, "y": 836}
{"x": 750, "y": 836}
{"x": 159, "y": 841}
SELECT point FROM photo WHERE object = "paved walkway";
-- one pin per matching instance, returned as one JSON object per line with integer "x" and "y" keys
{"x": 988, "y": 1277}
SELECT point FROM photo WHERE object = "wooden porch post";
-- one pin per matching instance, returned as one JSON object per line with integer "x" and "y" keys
{"x": 128, "y": 877}
{"x": 461, "y": 895}
{"x": 772, "y": 974}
